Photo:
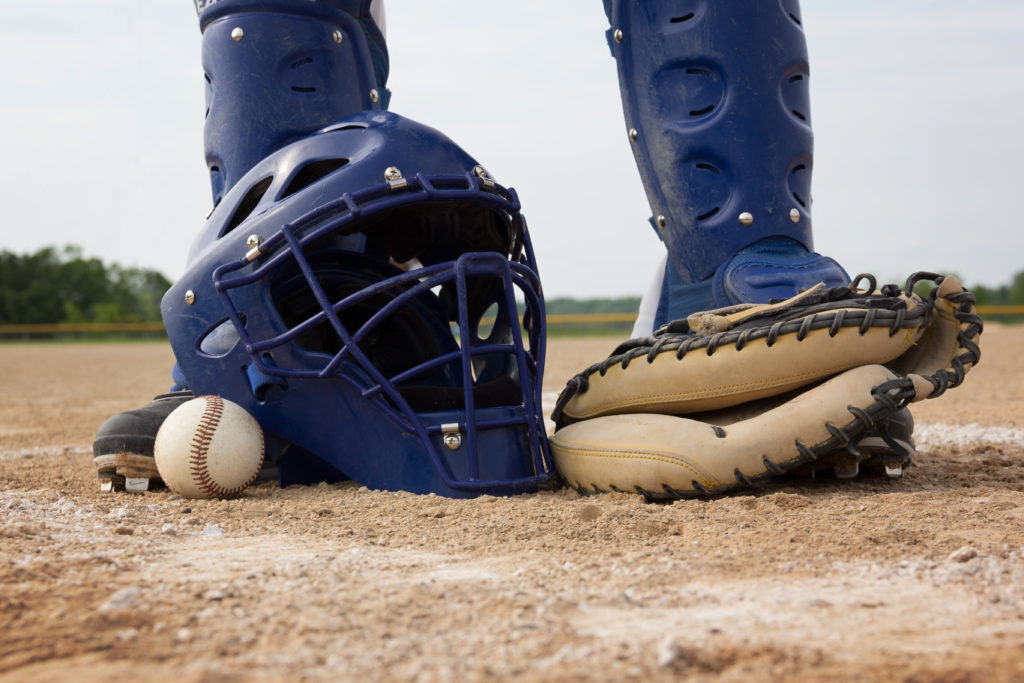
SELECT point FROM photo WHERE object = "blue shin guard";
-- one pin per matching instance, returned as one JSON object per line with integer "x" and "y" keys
{"x": 278, "y": 70}
{"x": 715, "y": 96}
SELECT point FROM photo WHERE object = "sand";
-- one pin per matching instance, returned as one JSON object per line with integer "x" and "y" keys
{"x": 916, "y": 579}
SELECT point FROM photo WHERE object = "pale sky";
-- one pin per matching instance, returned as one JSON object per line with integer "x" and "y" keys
{"x": 917, "y": 111}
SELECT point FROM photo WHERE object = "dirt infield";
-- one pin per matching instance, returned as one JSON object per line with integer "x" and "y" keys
{"x": 914, "y": 579}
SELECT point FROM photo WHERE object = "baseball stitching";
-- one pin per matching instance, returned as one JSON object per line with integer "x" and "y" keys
{"x": 207, "y": 427}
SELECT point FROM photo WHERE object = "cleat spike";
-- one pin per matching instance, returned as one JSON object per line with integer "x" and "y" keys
{"x": 136, "y": 484}
{"x": 123, "y": 448}
{"x": 893, "y": 470}
{"x": 847, "y": 469}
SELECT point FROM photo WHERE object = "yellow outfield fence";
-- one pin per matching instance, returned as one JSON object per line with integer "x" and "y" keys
{"x": 553, "y": 319}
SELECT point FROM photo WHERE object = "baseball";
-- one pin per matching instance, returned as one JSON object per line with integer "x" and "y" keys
{"x": 209, "y": 447}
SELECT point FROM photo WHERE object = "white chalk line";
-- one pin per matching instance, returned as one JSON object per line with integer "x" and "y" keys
{"x": 935, "y": 434}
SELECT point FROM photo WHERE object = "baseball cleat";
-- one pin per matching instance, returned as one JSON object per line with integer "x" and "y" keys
{"x": 891, "y": 450}
{"x": 123, "y": 448}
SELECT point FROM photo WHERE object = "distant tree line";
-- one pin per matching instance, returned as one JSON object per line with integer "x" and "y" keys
{"x": 1006, "y": 295}
{"x": 61, "y": 285}
{"x": 563, "y": 305}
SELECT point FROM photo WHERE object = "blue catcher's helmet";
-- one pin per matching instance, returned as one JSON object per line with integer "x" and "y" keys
{"x": 357, "y": 292}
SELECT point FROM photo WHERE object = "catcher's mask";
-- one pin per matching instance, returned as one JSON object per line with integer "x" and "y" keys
{"x": 369, "y": 294}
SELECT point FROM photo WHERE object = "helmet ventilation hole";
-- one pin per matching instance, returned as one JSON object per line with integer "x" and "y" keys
{"x": 248, "y": 204}
{"x": 312, "y": 172}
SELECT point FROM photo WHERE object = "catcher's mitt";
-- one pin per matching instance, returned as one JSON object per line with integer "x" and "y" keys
{"x": 766, "y": 389}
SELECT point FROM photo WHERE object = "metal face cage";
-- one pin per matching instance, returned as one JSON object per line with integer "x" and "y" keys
{"x": 449, "y": 352}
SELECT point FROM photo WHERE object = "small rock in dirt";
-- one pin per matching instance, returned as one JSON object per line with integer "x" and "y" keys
{"x": 122, "y": 599}
{"x": 168, "y": 530}
{"x": 668, "y": 652}
{"x": 124, "y": 530}
{"x": 186, "y": 511}
{"x": 965, "y": 554}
